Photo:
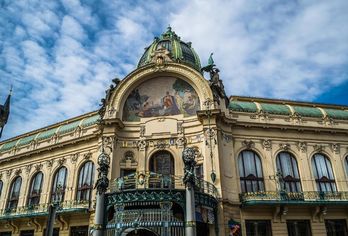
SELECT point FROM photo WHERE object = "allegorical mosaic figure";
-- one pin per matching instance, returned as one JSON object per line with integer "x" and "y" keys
{"x": 162, "y": 96}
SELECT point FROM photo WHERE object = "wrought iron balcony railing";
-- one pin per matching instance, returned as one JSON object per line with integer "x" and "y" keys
{"x": 311, "y": 197}
{"x": 150, "y": 180}
{"x": 42, "y": 209}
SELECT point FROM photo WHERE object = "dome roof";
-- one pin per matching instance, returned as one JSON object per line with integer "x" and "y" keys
{"x": 179, "y": 51}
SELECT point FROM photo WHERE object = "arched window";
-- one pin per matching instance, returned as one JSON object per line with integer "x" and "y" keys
{"x": 162, "y": 163}
{"x": 250, "y": 170}
{"x": 323, "y": 173}
{"x": 287, "y": 165}
{"x": 85, "y": 184}
{"x": 13, "y": 197}
{"x": 59, "y": 184}
{"x": 35, "y": 189}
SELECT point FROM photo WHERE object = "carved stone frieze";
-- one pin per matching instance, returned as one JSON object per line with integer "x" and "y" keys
{"x": 18, "y": 172}
{"x": 284, "y": 146}
{"x": 161, "y": 144}
{"x": 249, "y": 144}
{"x": 181, "y": 141}
{"x": 74, "y": 157}
{"x": 8, "y": 172}
{"x": 318, "y": 148}
{"x": 28, "y": 168}
{"x": 335, "y": 147}
{"x": 302, "y": 146}
{"x": 61, "y": 161}
{"x": 142, "y": 144}
{"x": 267, "y": 144}
{"x": 87, "y": 156}
{"x": 38, "y": 167}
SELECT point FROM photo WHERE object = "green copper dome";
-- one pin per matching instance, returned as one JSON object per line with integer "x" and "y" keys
{"x": 179, "y": 51}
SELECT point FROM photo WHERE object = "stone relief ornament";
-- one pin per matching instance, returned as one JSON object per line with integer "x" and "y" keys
{"x": 74, "y": 158}
{"x": 49, "y": 163}
{"x": 128, "y": 156}
{"x": 318, "y": 148}
{"x": 302, "y": 146}
{"x": 107, "y": 144}
{"x": 267, "y": 144}
{"x": 335, "y": 148}
{"x": 61, "y": 161}
{"x": 248, "y": 144}
{"x": 8, "y": 173}
{"x": 161, "y": 144}
{"x": 284, "y": 146}
{"x": 181, "y": 141}
{"x": 188, "y": 157}
{"x": 87, "y": 156}
{"x": 18, "y": 172}
{"x": 142, "y": 144}
{"x": 142, "y": 130}
{"x": 160, "y": 57}
{"x": 38, "y": 167}
{"x": 28, "y": 168}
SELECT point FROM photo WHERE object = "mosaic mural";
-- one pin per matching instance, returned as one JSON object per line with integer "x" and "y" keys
{"x": 162, "y": 96}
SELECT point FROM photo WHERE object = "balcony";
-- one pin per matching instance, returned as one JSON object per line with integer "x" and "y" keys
{"x": 42, "y": 209}
{"x": 295, "y": 198}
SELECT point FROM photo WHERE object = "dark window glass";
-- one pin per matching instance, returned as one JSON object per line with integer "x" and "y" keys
{"x": 323, "y": 173}
{"x": 346, "y": 164}
{"x": 35, "y": 189}
{"x": 336, "y": 227}
{"x": 55, "y": 232}
{"x": 126, "y": 172}
{"x": 27, "y": 233}
{"x": 258, "y": 228}
{"x": 85, "y": 184}
{"x": 162, "y": 163}
{"x": 298, "y": 227}
{"x": 14, "y": 193}
{"x": 5, "y": 233}
{"x": 199, "y": 173}
{"x": 287, "y": 165}
{"x": 79, "y": 231}
{"x": 59, "y": 185}
{"x": 250, "y": 170}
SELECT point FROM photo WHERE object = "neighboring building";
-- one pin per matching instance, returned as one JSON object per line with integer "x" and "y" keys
{"x": 264, "y": 166}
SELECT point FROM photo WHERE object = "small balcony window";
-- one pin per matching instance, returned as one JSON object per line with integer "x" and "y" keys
{"x": 323, "y": 173}
{"x": 35, "y": 189}
{"x": 250, "y": 171}
{"x": 13, "y": 198}
{"x": 86, "y": 180}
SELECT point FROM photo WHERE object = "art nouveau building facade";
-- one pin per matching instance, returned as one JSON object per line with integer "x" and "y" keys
{"x": 264, "y": 167}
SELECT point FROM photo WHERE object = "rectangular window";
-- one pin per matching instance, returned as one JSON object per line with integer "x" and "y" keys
{"x": 336, "y": 227}
{"x": 79, "y": 231}
{"x": 5, "y": 233}
{"x": 55, "y": 232}
{"x": 27, "y": 233}
{"x": 199, "y": 171}
{"x": 299, "y": 227}
{"x": 258, "y": 228}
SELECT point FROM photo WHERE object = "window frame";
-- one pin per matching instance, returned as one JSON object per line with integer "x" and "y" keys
{"x": 32, "y": 195}
{"x": 323, "y": 180}
{"x": 54, "y": 191}
{"x": 249, "y": 178}
{"x": 289, "y": 180}
{"x": 14, "y": 199}
{"x": 84, "y": 190}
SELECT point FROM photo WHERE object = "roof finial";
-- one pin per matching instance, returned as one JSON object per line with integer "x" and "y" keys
{"x": 11, "y": 88}
{"x": 169, "y": 28}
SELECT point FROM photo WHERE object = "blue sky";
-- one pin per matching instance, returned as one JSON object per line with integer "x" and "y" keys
{"x": 60, "y": 56}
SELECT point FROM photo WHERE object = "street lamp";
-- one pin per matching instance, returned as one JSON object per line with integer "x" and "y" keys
{"x": 52, "y": 210}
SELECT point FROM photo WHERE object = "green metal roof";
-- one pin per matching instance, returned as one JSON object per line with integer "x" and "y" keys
{"x": 337, "y": 114}
{"x": 308, "y": 111}
{"x": 8, "y": 146}
{"x": 276, "y": 109}
{"x": 46, "y": 134}
{"x": 243, "y": 106}
{"x": 26, "y": 140}
{"x": 68, "y": 127}
{"x": 179, "y": 51}
{"x": 90, "y": 121}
